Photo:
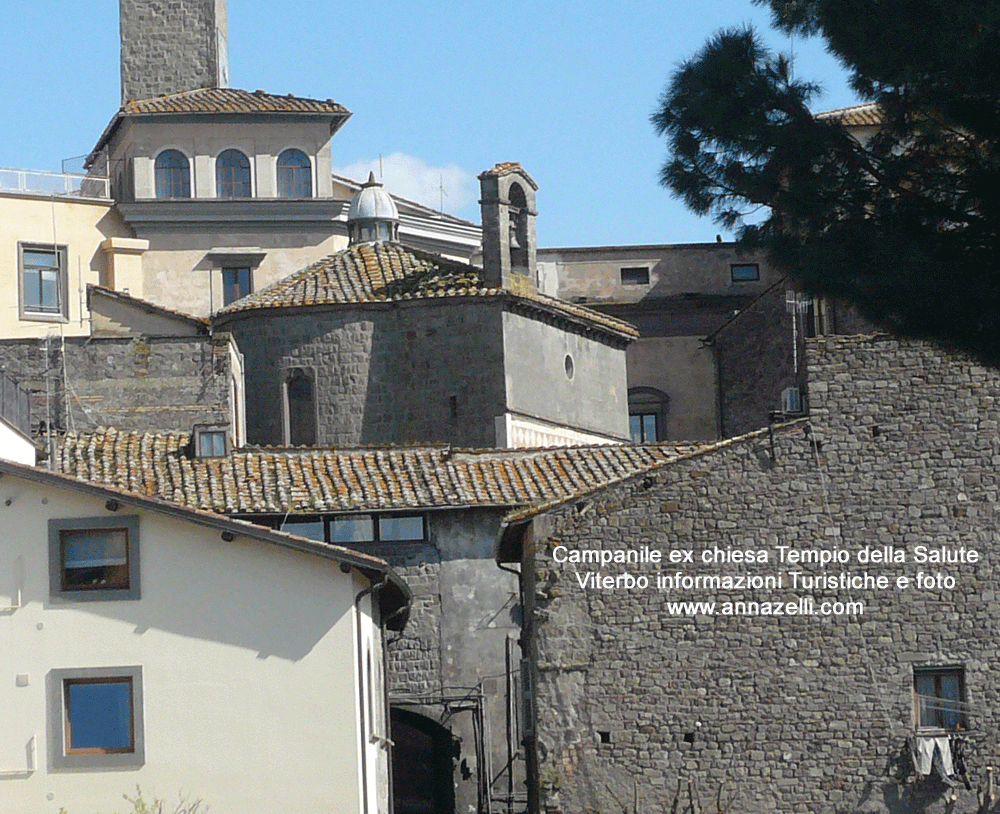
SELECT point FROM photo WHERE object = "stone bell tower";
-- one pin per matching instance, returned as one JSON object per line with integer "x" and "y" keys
{"x": 507, "y": 199}
{"x": 169, "y": 46}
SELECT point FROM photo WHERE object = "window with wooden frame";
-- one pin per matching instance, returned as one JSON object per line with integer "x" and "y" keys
{"x": 96, "y": 717}
{"x": 939, "y": 698}
{"x": 94, "y": 558}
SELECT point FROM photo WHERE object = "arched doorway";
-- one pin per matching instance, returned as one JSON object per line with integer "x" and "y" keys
{"x": 422, "y": 765}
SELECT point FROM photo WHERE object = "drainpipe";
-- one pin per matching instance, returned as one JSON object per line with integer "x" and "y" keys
{"x": 376, "y": 586}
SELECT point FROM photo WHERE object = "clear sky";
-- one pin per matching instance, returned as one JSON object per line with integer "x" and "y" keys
{"x": 440, "y": 90}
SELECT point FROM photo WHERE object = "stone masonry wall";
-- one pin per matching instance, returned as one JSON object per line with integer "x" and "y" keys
{"x": 420, "y": 372}
{"x": 454, "y": 646}
{"x": 639, "y": 700}
{"x": 755, "y": 358}
{"x": 169, "y": 46}
{"x": 146, "y": 383}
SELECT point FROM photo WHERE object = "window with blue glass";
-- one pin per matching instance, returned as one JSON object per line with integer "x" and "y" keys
{"x": 294, "y": 175}
{"x": 94, "y": 558}
{"x": 42, "y": 280}
{"x": 96, "y": 717}
{"x": 173, "y": 175}
{"x": 232, "y": 175}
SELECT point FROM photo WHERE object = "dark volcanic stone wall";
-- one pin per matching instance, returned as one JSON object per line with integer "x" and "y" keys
{"x": 637, "y": 699}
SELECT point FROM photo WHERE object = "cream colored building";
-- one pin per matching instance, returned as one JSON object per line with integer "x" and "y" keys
{"x": 54, "y": 242}
{"x": 150, "y": 645}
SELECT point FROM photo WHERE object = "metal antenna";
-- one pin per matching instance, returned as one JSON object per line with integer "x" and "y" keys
{"x": 441, "y": 190}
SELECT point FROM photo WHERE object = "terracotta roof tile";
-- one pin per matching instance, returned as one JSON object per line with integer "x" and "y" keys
{"x": 304, "y": 480}
{"x": 854, "y": 116}
{"x": 230, "y": 100}
{"x": 387, "y": 272}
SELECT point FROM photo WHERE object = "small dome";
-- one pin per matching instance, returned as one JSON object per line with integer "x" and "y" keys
{"x": 372, "y": 202}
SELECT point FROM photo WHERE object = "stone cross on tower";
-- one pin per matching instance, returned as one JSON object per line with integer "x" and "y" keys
{"x": 170, "y": 46}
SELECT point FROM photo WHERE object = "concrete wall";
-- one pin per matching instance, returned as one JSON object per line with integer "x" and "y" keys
{"x": 384, "y": 374}
{"x": 683, "y": 368}
{"x": 757, "y": 355}
{"x": 143, "y": 383}
{"x": 249, "y": 671}
{"x": 80, "y": 226}
{"x": 169, "y": 47}
{"x": 202, "y": 138}
{"x": 790, "y": 713}
{"x": 593, "y": 274}
{"x": 464, "y": 610}
{"x": 15, "y": 446}
{"x": 558, "y": 375}
{"x": 180, "y": 271}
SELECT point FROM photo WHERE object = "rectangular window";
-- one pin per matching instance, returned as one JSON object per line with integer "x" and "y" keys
{"x": 635, "y": 276}
{"x": 400, "y": 528}
{"x": 96, "y": 717}
{"x": 43, "y": 291}
{"x": 305, "y": 527}
{"x": 643, "y": 427}
{"x": 211, "y": 443}
{"x": 94, "y": 558}
{"x": 347, "y": 530}
{"x": 745, "y": 272}
{"x": 939, "y": 697}
{"x": 237, "y": 283}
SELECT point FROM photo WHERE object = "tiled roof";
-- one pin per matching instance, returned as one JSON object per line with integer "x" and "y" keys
{"x": 854, "y": 116}
{"x": 397, "y": 598}
{"x": 386, "y": 272}
{"x": 303, "y": 480}
{"x": 230, "y": 100}
{"x": 219, "y": 100}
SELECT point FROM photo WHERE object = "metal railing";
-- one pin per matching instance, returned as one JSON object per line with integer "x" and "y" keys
{"x": 15, "y": 404}
{"x": 39, "y": 182}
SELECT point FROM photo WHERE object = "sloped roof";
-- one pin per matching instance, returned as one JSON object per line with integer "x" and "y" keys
{"x": 305, "y": 480}
{"x": 853, "y": 116}
{"x": 221, "y": 100}
{"x": 231, "y": 100}
{"x": 388, "y": 272}
{"x": 396, "y": 599}
{"x": 200, "y": 323}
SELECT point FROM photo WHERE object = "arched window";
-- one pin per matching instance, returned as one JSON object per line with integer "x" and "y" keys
{"x": 173, "y": 175}
{"x": 232, "y": 175}
{"x": 518, "y": 229}
{"x": 300, "y": 408}
{"x": 294, "y": 175}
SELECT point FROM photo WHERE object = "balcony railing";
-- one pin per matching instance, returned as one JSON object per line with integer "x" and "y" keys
{"x": 71, "y": 184}
{"x": 15, "y": 404}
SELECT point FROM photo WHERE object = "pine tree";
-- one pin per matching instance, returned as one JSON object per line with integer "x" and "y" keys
{"x": 904, "y": 224}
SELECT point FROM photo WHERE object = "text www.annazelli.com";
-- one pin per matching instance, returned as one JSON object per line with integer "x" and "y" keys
{"x": 804, "y": 606}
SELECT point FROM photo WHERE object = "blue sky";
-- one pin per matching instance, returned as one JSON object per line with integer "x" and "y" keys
{"x": 440, "y": 90}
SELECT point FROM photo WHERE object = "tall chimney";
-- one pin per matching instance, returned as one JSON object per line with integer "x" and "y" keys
{"x": 169, "y": 46}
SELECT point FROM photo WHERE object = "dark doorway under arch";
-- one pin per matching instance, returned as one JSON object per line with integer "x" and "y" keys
{"x": 422, "y": 765}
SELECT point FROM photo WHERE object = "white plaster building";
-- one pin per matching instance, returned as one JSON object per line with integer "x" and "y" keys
{"x": 175, "y": 650}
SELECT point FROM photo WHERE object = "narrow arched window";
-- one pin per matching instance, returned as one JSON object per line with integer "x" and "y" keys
{"x": 518, "y": 229}
{"x": 232, "y": 175}
{"x": 294, "y": 175}
{"x": 300, "y": 408}
{"x": 173, "y": 175}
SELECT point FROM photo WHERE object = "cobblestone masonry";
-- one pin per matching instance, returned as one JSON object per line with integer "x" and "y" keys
{"x": 169, "y": 46}
{"x": 155, "y": 383}
{"x": 385, "y": 374}
{"x": 782, "y": 713}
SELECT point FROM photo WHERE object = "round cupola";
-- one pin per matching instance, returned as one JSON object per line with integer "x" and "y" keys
{"x": 372, "y": 216}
